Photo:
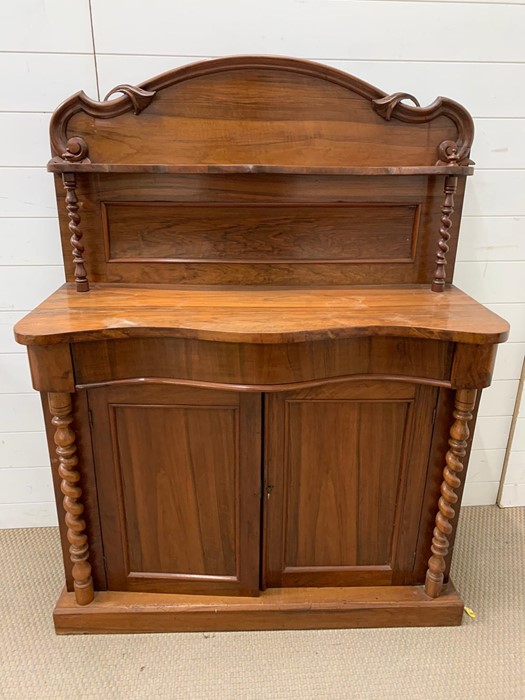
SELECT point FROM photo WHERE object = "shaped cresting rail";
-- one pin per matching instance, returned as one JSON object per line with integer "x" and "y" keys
{"x": 74, "y": 150}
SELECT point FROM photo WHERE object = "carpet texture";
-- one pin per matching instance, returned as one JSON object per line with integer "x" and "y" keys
{"x": 484, "y": 658}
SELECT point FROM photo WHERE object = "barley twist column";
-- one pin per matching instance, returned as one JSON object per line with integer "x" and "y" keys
{"x": 458, "y": 441}
{"x": 61, "y": 410}
{"x": 440, "y": 274}
{"x": 70, "y": 184}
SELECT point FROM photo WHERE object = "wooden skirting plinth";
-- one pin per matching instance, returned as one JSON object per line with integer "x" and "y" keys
{"x": 274, "y": 609}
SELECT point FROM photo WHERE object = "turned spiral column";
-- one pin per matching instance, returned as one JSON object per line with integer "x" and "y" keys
{"x": 458, "y": 441}
{"x": 72, "y": 207}
{"x": 440, "y": 274}
{"x": 64, "y": 437}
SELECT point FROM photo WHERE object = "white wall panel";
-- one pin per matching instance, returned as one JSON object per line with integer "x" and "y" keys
{"x": 28, "y": 515}
{"x": 39, "y": 82}
{"x": 499, "y": 398}
{"x": 25, "y": 288}
{"x": 23, "y": 450}
{"x": 26, "y": 192}
{"x": 26, "y": 485}
{"x": 45, "y": 25}
{"x": 113, "y": 70}
{"x": 495, "y": 193}
{"x": 7, "y": 339}
{"x": 485, "y": 465}
{"x": 492, "y": 281}
{"x": 322, "y": 28}
{"x": 478, "y": 2}
{"x": 480, "y": 493}
{"x": 516, "y": 467}
{"x": 15, "y": 377}
{"x": 492, "y": 433}
{"x": 513, "y": 495}
{"x": 47, "y": 55}
{"x": 460, "y": 81}
{"x": 27, "y": 128}
{"x": 509, "y": 361}
{"x": 514, "y": 313}
{"x": 499, "y": 143}
{"x": 30, "y": 241}
{"x": 513, "y": 491}
{"x": 20, "y": 413}
{"x": 519, "y": 435}
{"x": 486, "y": 238}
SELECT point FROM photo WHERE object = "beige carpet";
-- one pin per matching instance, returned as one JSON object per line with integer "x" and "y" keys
{"x": 485, "y": 658}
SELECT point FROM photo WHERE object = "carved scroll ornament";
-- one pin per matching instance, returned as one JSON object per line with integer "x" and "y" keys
{"x": 449, "y": 152}
{"x": 74, "y": 149}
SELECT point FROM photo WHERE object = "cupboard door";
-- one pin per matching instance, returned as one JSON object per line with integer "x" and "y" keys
{"x": 346, "y": 467}
{"x": 179, "y": 482}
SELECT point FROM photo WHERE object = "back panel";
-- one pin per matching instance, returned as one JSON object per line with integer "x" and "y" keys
{"x": 257, "y": 170}
{"x": 264, "y": 229}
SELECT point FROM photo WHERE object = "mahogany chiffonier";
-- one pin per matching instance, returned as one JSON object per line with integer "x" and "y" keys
{"x": 259, "y": 381}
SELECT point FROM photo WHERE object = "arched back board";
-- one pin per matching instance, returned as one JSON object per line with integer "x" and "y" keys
{"x": 165, "y": 174}
{"x": 261, "y": 110}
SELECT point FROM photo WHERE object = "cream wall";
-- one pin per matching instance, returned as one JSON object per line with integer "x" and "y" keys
{"x": 471, "y": 51}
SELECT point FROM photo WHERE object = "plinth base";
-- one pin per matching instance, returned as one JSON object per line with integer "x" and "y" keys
{"x": 275, "y": 609}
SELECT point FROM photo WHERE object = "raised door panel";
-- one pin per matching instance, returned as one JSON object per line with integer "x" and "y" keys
{"x": 346, "y": 468}
{"x": 179, "y": 481}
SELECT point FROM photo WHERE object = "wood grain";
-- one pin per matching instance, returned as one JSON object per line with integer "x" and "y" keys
{"x": 52, "y": 367}
{"x": 274, "y": 609}
{"x": 58, "y": 166}
{"x": 437, "y": 451}
{"x": 259, "y": 315}
{"x": 188, "y": 509}
{"x": 65, "y": 440}
{"x": 473, "y": 366}
{"x": 259, "y": 233}
{"x": 335, "y": 514}
{"x": 458, "y": 441}
{"x": 69, "y": 181}
{"x": 265, "y": 109}
{"x": 261, "y": 367}
{"x": 145, "y": 200}
{"x": 264, "y": 376}
{"x": 86, "y": 470}
{"x": 447, "y": 210}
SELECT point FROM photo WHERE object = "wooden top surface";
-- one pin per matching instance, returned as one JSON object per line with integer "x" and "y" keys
{"x": 258, "y": 314}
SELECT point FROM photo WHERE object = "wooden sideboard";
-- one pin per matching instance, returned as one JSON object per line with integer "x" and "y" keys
{"x": 258, "y": 380}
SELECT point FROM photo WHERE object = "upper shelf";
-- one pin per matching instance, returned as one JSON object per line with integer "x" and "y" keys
{"x": 258, "y": 314}
{"x": 285, "y": 113}
{"x": 59, "y": 166}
